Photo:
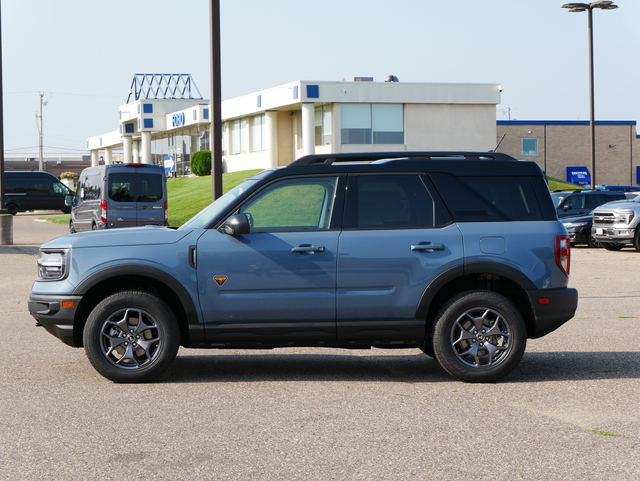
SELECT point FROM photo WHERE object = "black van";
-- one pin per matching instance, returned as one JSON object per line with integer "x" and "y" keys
{"x": 119, "y": 195}
{"x": 34, "y": 191}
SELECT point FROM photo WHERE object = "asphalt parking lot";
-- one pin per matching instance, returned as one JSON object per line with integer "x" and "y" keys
{"x": 570, "y": 411}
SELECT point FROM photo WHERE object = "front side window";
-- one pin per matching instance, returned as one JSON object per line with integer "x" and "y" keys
{"x": 529, "y": 147}
{"x": 293, "y": 204}
{"x": 372, "y": 123}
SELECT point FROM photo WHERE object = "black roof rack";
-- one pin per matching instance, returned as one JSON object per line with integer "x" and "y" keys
{"x": 328, "y": 159}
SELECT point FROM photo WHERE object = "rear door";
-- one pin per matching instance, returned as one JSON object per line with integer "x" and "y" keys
{"x": 135, "y": 196}
{"x": 395, "y": 242}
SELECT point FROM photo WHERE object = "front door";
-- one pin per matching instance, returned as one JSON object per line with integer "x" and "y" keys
{"x": 278, "y": 282}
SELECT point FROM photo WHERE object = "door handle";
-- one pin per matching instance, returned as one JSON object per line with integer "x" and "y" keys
{"x": 427, "y": 247}
{"x": 307, "y": 248}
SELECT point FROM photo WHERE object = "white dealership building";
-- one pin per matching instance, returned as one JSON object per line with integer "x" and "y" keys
{"x": 166, "y": 120}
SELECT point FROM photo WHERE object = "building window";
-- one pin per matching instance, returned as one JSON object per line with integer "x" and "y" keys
{"x": 238, "y": 136}
{"x": 148, "y": 123}
{"x": 372, "y": 123}
{"x": 147, "y": 108}
{"x": 257, "y": 133}
{"x": 530, "y": 147}
{"x": 323, "y": 125}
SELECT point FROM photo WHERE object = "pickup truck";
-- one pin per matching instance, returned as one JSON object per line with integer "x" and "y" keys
{"x": 615, "y": 224}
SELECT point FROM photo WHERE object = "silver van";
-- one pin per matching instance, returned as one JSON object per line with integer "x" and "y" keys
{"x": 119, "y": 195}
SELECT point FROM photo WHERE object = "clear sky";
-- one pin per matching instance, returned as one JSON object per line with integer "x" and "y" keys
{"x": 83, "y": 54}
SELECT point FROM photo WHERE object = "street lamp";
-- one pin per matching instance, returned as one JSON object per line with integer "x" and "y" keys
{"x": 581, "y": 7}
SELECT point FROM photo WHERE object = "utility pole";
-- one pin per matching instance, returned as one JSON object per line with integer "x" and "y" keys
{"x": 39, "y": 122}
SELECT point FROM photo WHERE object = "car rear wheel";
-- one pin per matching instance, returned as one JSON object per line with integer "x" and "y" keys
{"x": 12, "y": 209}
{"x": 72, "y": 227}
{"x": 479, "y": 336}
{"x": 131, "y": 336}
{"x": 612, "y": 246}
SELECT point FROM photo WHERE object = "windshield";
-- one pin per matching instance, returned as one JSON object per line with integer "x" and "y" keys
{"x": 558, "y": 198}
{"x": 209, "y": 213}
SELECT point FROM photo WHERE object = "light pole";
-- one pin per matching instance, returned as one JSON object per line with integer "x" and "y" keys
{"x": 581, "y": 7}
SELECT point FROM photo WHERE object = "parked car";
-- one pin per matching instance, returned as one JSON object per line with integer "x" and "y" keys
{"x": 579, "y": 202}
{"x": 623, "y": 188}
{"x": 579, "y": 229}
{"x": 459, "y": 254}
{"x": 25, "y": 191}
{"x": 616, "y": 224}
{"x": 119, "y": 195}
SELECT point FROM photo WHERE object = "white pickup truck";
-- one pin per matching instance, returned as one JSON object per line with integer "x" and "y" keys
{"x": 615, "y": 224}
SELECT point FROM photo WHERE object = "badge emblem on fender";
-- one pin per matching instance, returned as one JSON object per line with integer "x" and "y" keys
{"x": 220, "y": 280}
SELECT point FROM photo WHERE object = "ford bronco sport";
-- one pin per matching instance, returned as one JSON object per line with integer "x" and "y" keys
{"x": 459, "y": 254}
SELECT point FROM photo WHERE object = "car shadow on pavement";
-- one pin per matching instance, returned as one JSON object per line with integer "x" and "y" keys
{"x": 413, "y": 368}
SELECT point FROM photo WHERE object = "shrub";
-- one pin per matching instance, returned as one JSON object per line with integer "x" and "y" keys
{"x": 201, "y": 163}
{"x": 69, "y": 175}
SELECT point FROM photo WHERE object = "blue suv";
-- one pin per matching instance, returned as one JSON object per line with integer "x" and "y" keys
{"x": 459, "y": 254}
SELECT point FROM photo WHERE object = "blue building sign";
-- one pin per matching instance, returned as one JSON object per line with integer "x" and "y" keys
{"x": 578, "y": 175}
{"x": 178, "y": 119}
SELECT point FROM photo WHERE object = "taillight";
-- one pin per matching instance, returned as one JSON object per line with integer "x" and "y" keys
{"x": 166, "y": 212}
{"x": 103, "y": 214}
{"x": 563, "y": 253}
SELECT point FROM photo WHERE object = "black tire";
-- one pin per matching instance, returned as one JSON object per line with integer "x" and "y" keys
{"x": 612, "y": 246}
{"x": 72, "y": 227}
{"x": 12, "y": 209}
{"x": 479, "y": 336}
{"x": 591, "y": 241}
{"x": 123, "y": 350}
{"x": 94, "y": 226}
{"x": 636, "y": 240}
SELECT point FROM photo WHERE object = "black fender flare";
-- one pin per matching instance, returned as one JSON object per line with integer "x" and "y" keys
{"x": 450, "y": 275}
{"x": 154, "y": 273}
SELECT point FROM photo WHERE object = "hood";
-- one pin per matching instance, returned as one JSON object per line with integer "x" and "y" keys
{"x": 128, "y": 236}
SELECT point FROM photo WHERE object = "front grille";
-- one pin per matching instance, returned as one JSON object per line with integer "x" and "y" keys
{"x": 604, "y": 218}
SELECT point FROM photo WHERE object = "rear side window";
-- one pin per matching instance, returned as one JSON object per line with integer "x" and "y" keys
{"x": 135, "y": 187}
{"x": 489, "y": 199}
{"x": 389, "y": 202}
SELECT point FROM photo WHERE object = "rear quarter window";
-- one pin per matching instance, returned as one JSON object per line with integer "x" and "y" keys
{"x": 491, "y": 199}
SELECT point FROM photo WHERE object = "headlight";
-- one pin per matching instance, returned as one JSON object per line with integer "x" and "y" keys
{"x": 567, "y": 225}
{"x": 53, "y": 264}
{"x": 624, "y": 218}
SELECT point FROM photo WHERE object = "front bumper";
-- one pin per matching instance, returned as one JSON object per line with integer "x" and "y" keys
{"x": 613, "y": 234}
{"x": 552, "y": 308}
{"x": 58, "y": 320}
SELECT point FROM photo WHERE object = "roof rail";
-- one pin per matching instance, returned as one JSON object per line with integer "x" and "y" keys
{"x": 328, "y": 159}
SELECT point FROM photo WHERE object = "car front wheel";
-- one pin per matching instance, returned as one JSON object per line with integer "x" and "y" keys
{"x": 479, "y": 336}
{"x": 131, "y": 336}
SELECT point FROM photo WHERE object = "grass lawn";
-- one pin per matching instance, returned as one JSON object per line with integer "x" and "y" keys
{"x": 189, "y": 195}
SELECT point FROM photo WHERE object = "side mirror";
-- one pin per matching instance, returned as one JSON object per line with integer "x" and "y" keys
{"x": 565, "y": 207}
{"x": 68, "y": 200}
{"x": 236, "y": 225}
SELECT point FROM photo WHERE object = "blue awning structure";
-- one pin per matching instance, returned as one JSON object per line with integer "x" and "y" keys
{"x": 578, "y": 175}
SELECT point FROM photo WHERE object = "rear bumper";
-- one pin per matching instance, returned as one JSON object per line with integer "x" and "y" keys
{"x": 552, "y": 308}
{"x": 57, "y": 320}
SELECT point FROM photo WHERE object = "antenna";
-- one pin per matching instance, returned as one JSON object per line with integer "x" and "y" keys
{"x": 507, "y": 111}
